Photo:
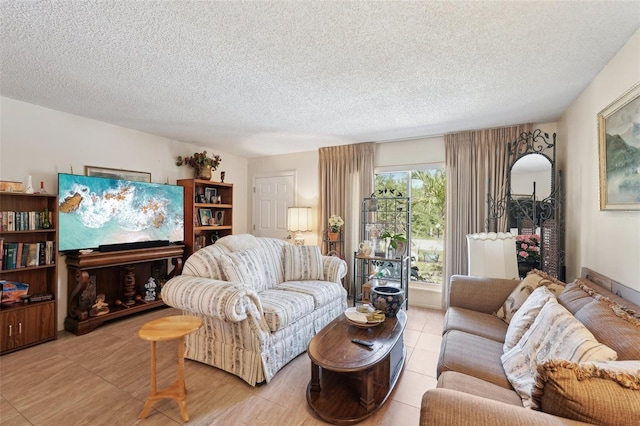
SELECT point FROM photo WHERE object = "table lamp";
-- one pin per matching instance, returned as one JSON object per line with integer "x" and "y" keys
{"x": 299, "y": 221}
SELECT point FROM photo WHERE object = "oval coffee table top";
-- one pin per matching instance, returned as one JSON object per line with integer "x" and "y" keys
{"x": 169, "y": 328}
{"x": 333, "y": 349}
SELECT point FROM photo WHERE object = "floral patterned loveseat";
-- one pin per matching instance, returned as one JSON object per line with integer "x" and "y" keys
{"x": 261, "y": 300}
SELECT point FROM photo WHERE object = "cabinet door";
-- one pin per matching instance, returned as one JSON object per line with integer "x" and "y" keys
{"x": 11, "y": 326}
{"x": 22, "y": 327}
{"x": 38, "y": 323}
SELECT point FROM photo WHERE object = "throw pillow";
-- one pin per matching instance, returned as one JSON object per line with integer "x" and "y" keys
{"x": 555, "y": 334}
{"x": 246, "y": 267}
{"x": 238, "y": 242}
{"x": 613, "y": 327}
{"x": 302, "y": 263}
{"x": 533, "y": 280}
{"x": 524, "y": 317}
{"x": 603, "y": 393}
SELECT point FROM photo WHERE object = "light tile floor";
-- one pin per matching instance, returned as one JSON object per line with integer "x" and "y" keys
{"x": 102, "y": 378}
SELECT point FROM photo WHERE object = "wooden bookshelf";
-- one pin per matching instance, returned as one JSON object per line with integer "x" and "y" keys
{"x": 196, "y": 233}
{"x": 29, "y": 323}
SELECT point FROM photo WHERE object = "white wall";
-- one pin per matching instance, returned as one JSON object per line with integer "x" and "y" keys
{"x": 304, "y": 165}
{"x": 606, "y": 241}
{"x": 415, "y": 152}
{"x": 42, "y": 142}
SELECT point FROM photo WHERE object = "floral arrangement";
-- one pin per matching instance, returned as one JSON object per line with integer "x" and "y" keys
{"x": 335, "y": 223}
{"x": 528, "y": 248}
{"x": 199, "y": 160}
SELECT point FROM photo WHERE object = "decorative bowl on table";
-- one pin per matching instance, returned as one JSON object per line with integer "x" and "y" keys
{"x": 387, "y": 299}
{"x": 362, "y": 319}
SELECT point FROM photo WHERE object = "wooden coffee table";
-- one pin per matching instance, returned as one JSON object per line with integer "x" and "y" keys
{"x": 349, "y": 382}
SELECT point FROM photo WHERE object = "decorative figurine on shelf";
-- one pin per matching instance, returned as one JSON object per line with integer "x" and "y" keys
{"x": 222, "y": 176}
{"x": 150, "y": 296}
{"x": 100, "y": 307}
{"x": 365, "y": 248}
{"x": 29, "y": 189}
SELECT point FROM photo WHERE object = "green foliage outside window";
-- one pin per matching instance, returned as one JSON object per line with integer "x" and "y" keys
{"x": 427, "y": 190}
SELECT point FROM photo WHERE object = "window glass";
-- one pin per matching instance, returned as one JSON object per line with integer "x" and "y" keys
{"x": 426, "y": 188}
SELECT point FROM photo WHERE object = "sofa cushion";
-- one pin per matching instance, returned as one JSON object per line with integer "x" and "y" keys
{"x": 533, "y": 280}
{"x": 282, "y": 308}
{"x": 473, "y": 322}
{"x": 603, "y": 393}
{"x": 474, "y": 386}
{"x": 555, "y": 334}
{"x": 251, "y": 267}
{"x": 238, "y": 242}
{"x": 573, "y": 297}
{"x": 524, "y": 317}
{"x": 302, "y": 263}
{"x": 613, "y": 327}
{"x": 472, "y": 355}
{"x": 204, "y": 263}
{"x": 323, "y": 292}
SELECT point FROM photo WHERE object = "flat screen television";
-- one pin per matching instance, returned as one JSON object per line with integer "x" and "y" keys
{"x": 96, "y": 212}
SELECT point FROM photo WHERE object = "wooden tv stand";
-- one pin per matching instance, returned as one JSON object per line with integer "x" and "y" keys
{"x": 108, "y": 270}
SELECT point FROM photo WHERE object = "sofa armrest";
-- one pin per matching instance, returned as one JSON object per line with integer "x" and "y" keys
{"x": 479, "y": 294}
{"x": 334, "y": 269}
{"x": 223, "y": 300}
{"x": 449, "y": 407}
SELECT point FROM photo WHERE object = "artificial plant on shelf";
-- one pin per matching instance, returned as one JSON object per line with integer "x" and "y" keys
{"x": 394, "y": 239}
{"x": 201, "y": 163}
{"x": 335, "y": 223}
{"x": 528, "y": 249}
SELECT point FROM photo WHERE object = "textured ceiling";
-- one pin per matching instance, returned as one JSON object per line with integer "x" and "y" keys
{"x": 274, "y": 77}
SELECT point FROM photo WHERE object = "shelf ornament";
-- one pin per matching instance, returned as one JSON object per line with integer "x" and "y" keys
{"x": 335, "y": 223}
{"x": 201, "y": 163}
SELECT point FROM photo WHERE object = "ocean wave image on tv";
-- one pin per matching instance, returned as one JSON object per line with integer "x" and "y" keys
{"x": 95, "y": 211}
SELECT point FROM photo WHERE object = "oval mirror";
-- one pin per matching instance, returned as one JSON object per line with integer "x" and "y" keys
{"x": 528, "y": 169}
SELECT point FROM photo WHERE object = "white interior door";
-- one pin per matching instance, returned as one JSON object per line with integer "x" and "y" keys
{"x": 272, "y": 195}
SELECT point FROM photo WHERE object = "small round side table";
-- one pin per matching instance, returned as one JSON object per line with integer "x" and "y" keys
{"x": 168, "y": 328}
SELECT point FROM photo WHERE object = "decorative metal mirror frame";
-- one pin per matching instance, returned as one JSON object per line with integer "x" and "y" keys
{"x": 552, "y": 239}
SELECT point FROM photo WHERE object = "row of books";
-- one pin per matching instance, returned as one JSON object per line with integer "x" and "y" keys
{"x": 25, "y": 221}
{"x": 23, "y": 255}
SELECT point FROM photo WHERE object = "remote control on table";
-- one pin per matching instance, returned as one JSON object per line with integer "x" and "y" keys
{"x": 362, "y": 342}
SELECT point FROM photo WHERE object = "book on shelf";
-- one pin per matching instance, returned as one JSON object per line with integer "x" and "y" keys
{"x": 24, "y": 254}
{"x": 32, "y": 257}
{"x": 23, "y": 220}
{"x": 10, "y": 255}
{"x": 41, "y": 253}
{"x": 15, "y": 255}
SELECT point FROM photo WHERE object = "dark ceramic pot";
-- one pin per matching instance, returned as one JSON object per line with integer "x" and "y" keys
{"x": 387, "y": 299}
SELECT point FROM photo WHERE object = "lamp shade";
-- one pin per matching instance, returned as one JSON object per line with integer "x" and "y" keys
{"x": 299, "y": 219}
{"x": 492, "y": 255}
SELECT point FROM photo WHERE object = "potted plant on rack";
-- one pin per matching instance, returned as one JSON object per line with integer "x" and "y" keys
{"x": 335, "y": 223}
{"x": 201, "y": 163}
{"x": 397, "y": 242}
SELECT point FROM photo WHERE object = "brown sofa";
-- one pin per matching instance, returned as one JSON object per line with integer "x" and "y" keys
{"x": 473, "y": 388}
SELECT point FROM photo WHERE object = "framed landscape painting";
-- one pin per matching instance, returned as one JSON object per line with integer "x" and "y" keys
{"x": 118, "y": 174}
{"x": 619, "y": 151}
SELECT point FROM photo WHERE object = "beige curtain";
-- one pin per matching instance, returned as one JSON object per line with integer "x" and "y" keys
{"x": 346, "y": 177}
{"x": 471, "y": 159}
